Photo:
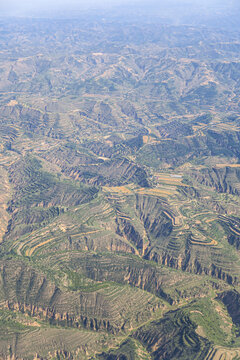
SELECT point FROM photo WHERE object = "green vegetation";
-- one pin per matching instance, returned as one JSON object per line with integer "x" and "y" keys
{"x": 119, "y": 191}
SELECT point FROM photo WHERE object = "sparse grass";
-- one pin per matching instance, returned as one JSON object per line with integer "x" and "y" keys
{"x": 92, "y": 193}
{"x": 203, "y": 313}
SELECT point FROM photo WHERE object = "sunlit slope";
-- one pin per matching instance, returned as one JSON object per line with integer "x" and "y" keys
{"x": 119, "y": 191}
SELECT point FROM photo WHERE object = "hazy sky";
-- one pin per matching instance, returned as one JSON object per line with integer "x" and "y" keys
{"x": 28, "y": 6}
{"x": 35, "y": 7}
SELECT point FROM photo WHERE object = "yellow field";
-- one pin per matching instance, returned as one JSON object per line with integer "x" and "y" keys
{"x": 169, "y": 180}
{"x": 117, "y": 189}
{"x": 86, "y": 233}
{"x": 229, "y": 165}
{"x": 123, "y": 190}
{"x": 12, "y": 103}
{"x": 210, "y": 220}
{"x": 201, "y": 213}
{"x": 212, "y": 243}
{"x": 29, "y": 252}
{"x": 196, "y": 128}
{"x": 229, "y": 126}
{"x": 161, "y": 192}
{"x": 147, "y": 139}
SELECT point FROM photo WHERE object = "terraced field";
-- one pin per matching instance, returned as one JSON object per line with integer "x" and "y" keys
{"x": 119, "y": 190}
{"x": 5, "y": 195}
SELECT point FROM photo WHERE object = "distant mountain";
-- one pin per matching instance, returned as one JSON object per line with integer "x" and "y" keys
{"x": 119, "y": 186}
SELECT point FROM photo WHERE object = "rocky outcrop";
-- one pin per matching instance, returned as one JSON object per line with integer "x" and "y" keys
{"x": 231, "y": 299}
{"x": 126, "y": 229}
{"x": 155, "y": 215}
{"x": 164, "y": 340}
{"x": 65, "y": 319}
{"x": 191, "y": 264}
{"x": 115, "y": 172}
{"x": 174, "y": 130}
{"x": 234, "y": 240}
{"x": 224, "y": 179}
{"x": 29, "y": 119}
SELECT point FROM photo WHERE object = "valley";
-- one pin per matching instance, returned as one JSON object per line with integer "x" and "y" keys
{"x": 119, "y": 190}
